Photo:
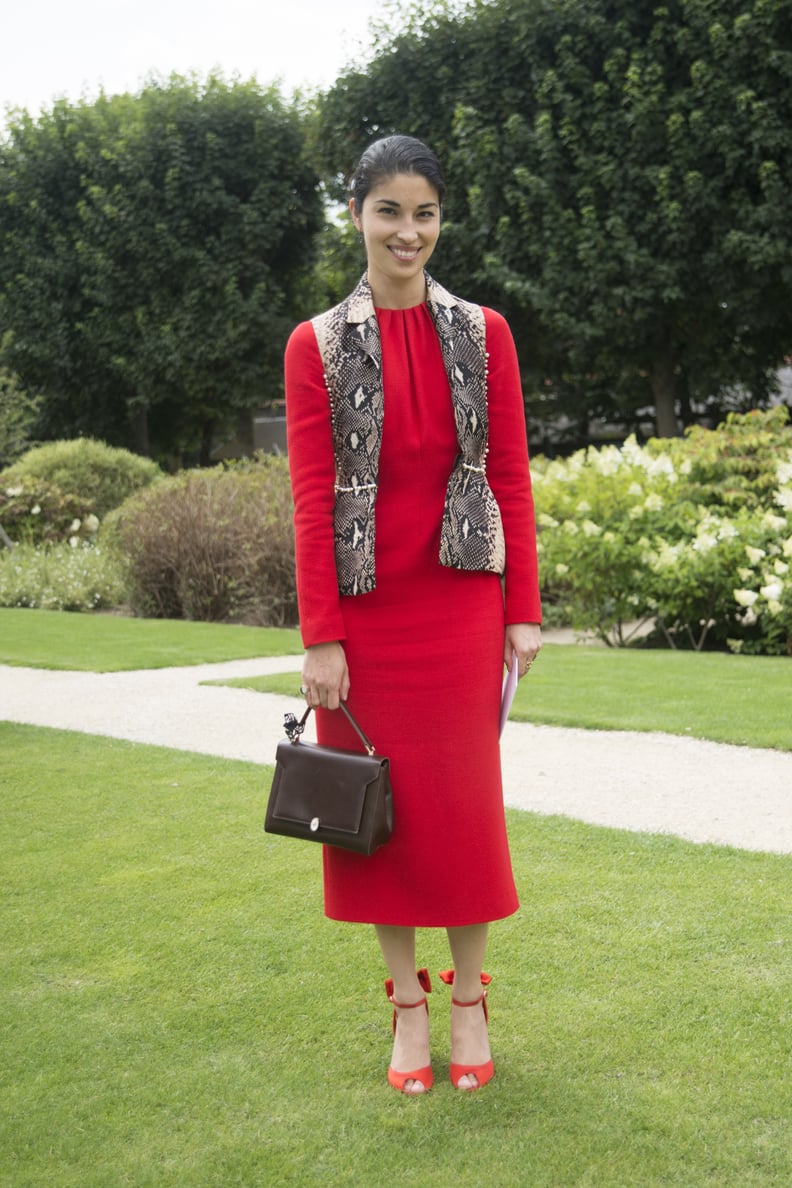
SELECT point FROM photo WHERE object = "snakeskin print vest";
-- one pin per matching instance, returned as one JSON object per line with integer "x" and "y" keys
{"x": 349, "y": 344}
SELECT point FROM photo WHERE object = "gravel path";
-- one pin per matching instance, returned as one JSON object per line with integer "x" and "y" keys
{"x": 702, "y": 791}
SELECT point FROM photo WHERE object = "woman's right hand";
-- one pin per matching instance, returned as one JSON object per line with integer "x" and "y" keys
{"x": 325, "y": 676}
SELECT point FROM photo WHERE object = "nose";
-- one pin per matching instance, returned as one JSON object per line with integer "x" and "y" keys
{"x": 407, "y": 230}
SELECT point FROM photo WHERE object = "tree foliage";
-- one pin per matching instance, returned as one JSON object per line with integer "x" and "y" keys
{"x": 621, "y": 186}
{"x": 18, "y": 414}
{"x": 152, "y": 253}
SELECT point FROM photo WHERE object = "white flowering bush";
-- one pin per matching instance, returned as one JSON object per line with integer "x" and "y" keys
{"x": 764, "y": 596}
{"x": 597, "y": 513}
{"x": 72, "y": 576}
{"x": 691, "y": 536}
{"x": 35, "y": 511}
{"x": 689, "y": 582}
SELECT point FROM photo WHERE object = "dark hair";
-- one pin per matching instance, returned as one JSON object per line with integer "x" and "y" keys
{"x": 390, "y": 156}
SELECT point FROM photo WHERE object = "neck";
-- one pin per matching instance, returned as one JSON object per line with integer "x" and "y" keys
{"x": 389, "y": 294}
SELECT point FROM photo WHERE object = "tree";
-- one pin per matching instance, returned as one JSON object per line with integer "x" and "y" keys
{"x": 18, "y": 412}
{"x": 153, "y": 252}
{"x": 621, "y": 186}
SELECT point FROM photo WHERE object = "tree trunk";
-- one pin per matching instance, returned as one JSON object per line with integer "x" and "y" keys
{"x": 207, "y": 436}
{"x": 664, "y": 386}
{"x": 140, "y": 433}
{"x": 685, "y": 408}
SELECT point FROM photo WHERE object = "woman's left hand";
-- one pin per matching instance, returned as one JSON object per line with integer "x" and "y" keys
{"x": 526, "y": 640}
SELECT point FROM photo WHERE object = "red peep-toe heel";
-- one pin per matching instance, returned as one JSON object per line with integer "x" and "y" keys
{"x": 425, "y": 1075}
{"x": 482, "y": 1072}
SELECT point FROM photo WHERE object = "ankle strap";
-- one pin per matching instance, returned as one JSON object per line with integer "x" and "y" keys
{"x": 424, "y": 981}
{"x": 407, "y": 1006}
{"x": 475, "y": 1002}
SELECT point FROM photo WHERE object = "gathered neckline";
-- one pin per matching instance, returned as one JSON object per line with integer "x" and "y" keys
{"x": 387, "y": 309}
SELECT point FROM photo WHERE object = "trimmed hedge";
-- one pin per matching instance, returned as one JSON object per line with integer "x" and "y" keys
{"x": 97, "y": 473}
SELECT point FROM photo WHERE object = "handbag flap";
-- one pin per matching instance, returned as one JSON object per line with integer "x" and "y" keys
{"x": 322, "y": 785}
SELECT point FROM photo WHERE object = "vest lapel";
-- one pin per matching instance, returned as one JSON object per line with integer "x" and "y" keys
{"x": 461, "y": 331}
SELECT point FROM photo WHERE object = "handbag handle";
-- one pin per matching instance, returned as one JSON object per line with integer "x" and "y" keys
{"x": 294, "y": 728}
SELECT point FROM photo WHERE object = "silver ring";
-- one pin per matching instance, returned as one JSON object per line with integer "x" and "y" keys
{"x": 303, "y": 690}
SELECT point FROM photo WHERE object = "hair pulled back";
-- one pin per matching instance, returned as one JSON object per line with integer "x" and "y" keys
{"x": 390, "y": 156}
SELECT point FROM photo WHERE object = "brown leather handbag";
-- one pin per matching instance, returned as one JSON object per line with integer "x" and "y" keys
{"x": 324, "y": 794}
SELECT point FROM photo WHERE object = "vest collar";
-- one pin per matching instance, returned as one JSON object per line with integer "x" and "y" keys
{"x": 360, "y": 303}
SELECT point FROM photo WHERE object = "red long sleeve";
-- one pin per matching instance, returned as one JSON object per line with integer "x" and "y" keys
{"x": 508, "y": 473}
{"x": 312, "y": 467}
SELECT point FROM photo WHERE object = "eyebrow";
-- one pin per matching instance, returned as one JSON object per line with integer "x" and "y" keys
{"x": 393, "y": 202}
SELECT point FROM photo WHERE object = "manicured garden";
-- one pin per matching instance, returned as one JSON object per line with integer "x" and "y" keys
{"x": 177, "y": 1011}
{"x": 688, "y": 538}
{"x": 739, "y": 699}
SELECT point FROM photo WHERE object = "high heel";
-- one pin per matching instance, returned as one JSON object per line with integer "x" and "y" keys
{"x": 425, "y": 1075}
{"x": 482, "y": 1072}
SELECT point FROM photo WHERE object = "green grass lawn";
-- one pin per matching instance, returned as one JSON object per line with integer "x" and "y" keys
{"x": 176, "y": 1010}
{"x": 112, "y": 643}
{"x": 738, "y": 699}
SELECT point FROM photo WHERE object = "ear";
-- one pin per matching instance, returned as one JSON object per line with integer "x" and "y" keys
{"x": 355, "y": 217}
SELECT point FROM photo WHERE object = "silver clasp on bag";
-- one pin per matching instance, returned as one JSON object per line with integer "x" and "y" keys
{"x": 293, "y": 727}
{"x": 314, "y": 824}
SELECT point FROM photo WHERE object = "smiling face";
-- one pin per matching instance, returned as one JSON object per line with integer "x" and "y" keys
{"x": 400, "y": 223}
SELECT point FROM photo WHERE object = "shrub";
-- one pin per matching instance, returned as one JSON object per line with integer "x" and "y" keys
{"x": 212, "y": 544}
{"x": 763, "y": 597}
{"x": 33, "y": 511}
{"x": 596, "y": 512}
{"x": 663, "y": 535}
{"x": 96, "y": 472}
{"x": 65, "y": 577}
{"x": 689, "y": 582}
{"x": 733, "y": 466}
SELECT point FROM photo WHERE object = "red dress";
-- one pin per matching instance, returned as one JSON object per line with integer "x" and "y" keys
{"x": 425, "y": 648}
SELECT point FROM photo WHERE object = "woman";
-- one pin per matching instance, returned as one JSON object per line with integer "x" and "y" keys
{"x": 409, "y": 467}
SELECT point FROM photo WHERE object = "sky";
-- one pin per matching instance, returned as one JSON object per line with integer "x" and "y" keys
{"x": 54, "y": 48}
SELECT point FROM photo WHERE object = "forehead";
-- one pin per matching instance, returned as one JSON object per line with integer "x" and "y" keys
{"x": 405, "y": 188}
